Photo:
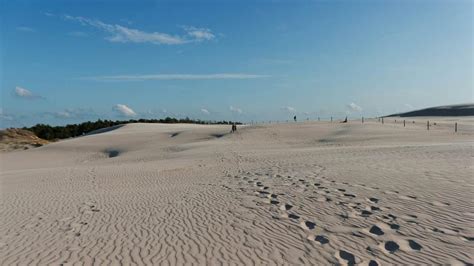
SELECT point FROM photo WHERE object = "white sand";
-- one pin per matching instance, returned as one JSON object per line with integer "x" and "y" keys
{"x": 305, "y": 193}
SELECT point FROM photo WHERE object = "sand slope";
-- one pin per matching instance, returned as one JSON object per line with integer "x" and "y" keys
{"x": 19, "y": 139}
{"x": 300, "y": 193}
{"x": 456, "y": 110}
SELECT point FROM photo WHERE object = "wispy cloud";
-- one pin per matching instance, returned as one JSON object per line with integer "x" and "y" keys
{"x": 354, "y": 107}
{"x": 124, "y": 110}
{"x": 205, "y": 111}
{"x": 63, "y": 114}
{"x": 25, "y": 29}
{"x": 24, "y": 93}
{"x": 235, "y": 109}
{"x": 73, "y": 113}
{"x": 177, "y": 77}
{"x": 119, "y": 33}
{"x": 199, "y": 34}
{"x": 289, "y": 109}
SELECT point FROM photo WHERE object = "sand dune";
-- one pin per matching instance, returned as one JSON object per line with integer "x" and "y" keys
{"x": 296, "y": 193}
{"x": 446, "y": 110}
{"x": 15, "y": 139}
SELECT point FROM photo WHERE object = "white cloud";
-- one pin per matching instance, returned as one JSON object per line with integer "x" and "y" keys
{"x": 124, "y": 110}
{"x": 19, "y": 91}
{"x": 199, "y": 34}
{"x": 409, "y": 106}
{"x": 354, "y": 107}
{"x": 118, "y": 33}
{"x": 25, "y": 29}
{"x": 205, "y": 111}
{"x": 63, "y": 114}
{"x": 177, "y": 77}
{"x": 24, "y": 93}
{"x": 235, "y": 109}
{"x": 289, "y": 109}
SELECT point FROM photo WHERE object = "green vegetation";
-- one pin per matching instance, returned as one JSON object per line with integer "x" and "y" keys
{"x": 73, "y": 130}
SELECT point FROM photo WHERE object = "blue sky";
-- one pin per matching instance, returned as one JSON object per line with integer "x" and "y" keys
{"x": 70, "y": 61}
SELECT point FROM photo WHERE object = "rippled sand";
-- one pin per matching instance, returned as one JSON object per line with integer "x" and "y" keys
{"x": 297, "y": 193}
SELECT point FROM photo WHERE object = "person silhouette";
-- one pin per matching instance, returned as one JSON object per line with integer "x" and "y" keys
{"x": 294, "y": 118}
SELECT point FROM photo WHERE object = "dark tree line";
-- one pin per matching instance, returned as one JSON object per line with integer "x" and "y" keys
{"x": 73, "y": 130}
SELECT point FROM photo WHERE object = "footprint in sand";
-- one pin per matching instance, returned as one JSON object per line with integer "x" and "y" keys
{"x": 293, "y": 216}
{"x": 391, "y": 246}
{"x": 272, "y": 196}
{"x": 376, "y": 230}
{"x": 374, "y": 200}
{"x": 274, "y": 202}
{"x": 308, "y": 225}
{"x": 321, "y": 239}
{"x": 286, "y": 207}
{"x": 373, "y": 263}
{"x": 347, "y": 257}
{"x": 394, "y": 226}
{"x": 414, "y": 245}
{"x": 374, "y": 208}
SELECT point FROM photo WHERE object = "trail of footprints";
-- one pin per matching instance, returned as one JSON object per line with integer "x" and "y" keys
{"x": 70, "y": 226}
{"x": 331, "y": 192}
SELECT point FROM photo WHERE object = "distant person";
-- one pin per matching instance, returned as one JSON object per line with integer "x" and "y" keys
{"x": 294, "y": 118}
{"x": 234, "y": 127}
